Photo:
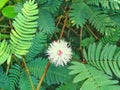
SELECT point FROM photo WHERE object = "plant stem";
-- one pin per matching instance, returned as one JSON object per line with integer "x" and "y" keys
{"x": 60, "y": 18}
{"x": 43, "y": 75}
{"x": 5, "y": 26}
{"x": 65, "y": 21}
{"x": 28, "y": 72}
{"x": 81, "y": 49}
{"x": 8, "y": 66}
{"x": 2, "y": 18}
{"x": 81, "y": 36}
{"x": 74, "y": 32}
{"x": 91, "y": 32}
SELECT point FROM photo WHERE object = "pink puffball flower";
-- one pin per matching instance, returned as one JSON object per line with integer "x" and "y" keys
{"x": 59, "y": 53}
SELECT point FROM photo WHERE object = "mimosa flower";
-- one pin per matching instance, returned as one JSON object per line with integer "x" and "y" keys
{"x": 59, "y": 53}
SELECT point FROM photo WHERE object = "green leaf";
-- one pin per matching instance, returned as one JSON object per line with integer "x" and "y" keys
{"x": 36, "y": 67}
{"x": 87, "y": 41}
{"x": 46, "y": 22}
{"x": 5, "y": 52}
{"x": 3, "y": 36}
{"x": 24, "y": 82}
{"x": 9, "y": 11}
{"x": 79, "y": 13}
{"x": 104, "y": 57}
{"x": 51, "y": 5}
{"x": 91, "y": 76}
{"x": 4, "y": 80}
{"x": 57, "y": 75}
{"x": 2, "y": 3}
{"x": 14, "y": 75}
{"x": 68, "y": 86}
{"x": 25, "y": 25}
{"x": 37, "y": 47}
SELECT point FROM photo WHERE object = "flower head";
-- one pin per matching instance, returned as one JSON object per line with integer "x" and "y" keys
{"x": 59, "y": 53}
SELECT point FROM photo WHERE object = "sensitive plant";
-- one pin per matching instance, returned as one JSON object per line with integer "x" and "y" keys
{"x": 59, "y": 45}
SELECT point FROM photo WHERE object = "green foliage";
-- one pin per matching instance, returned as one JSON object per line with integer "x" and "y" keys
{"x": 67, "y": 86}
{"x": 110, "y": 4}
{"x": 2, "y": 3}
{"x": 92, "y": 77}
{"x": 25, "y": 25}
{"x": 46, "y": 22}
{"x": 37, "y": 46}
{"x": 92, "y": 29}
{"x": 37, "y": 66}
{"x": 4, "y": 80}
{"x": 18, "y": 7}
{"x": 5, "y": 53}
{"x": 14, "y": 76}
{"x": 87, "y": 41}
{"x": 57, "y": 75}
{"x": 101, "y": 22}
{"x": 24, "y": 82}
{"x": 4, "y": 36}
{"x": 112, "y": 39}
{"x": 79, "y": 13}
{"x": 51, "y": 5}
{"x": 9, "y": 11}
{"x": 104, "y": 57}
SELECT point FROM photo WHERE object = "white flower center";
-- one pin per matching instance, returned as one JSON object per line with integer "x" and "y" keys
{"x": 59, "y": 52}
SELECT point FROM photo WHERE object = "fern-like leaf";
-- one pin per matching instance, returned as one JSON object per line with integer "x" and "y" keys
{"x": 46, "y": 22}
{"x": 68, "y": 86}
{"x": 93, "y": 79}
{"x": 37, "y": 66}
{"x": 54, "y": 74}
{"x": 24, "y": 82}
{"x": 25, "y": 25}
{"x": 87, "y": 41}
{"x": 14, "y": 75}
{"x": 18, "y": 7}
{"x": 37, "y": 47}
{"x": 116, "y": 18}
{"x": 5, "y": 52}
{"x": 51, "y": 5}
{"x": 79, "y": 13}
{"x": 109, "y": 4}
{"x": 4, "y": 80}
{"x": 103, "y": 57}
{"x": 112, "y": 39}
{"x": 101, "y": 21}
{"x": 57, "y": 75}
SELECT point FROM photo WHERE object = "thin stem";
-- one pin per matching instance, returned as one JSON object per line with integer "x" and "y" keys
{"x": 8, "y": 66}
{"x": 60, "y": 18}
{"x": 43, "y": 75}
{"x": 5, "y": 26}
{"x": 81, "y": 36}
{"x": 91, "y": 32}
{"x": 74, "y": 32}
{"x": 81, "y": 49}
{"x": 10, "y": 23}
{"x": 1, "y": 18}
{"x": 28, "y": 72}
{"x": 62, "y": 31}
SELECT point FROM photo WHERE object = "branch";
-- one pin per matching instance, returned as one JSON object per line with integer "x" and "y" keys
{"x": 92, "y": 32}
{"x": 43, "y": 75}
{"x": 28, "y": 72}
{"x": 62, "y": 31}
{"x": 59, "y": 19}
